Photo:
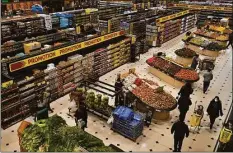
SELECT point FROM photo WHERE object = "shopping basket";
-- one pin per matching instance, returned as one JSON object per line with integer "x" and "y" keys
{"x": 225, "y": 135}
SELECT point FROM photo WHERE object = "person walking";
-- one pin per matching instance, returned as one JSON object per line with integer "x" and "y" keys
{"x": 230, "y": 40}
{"x": 185, "y": 91}
{"x": 81, "y": 116}
{"x": 214, "y": 110}
{"x": 180, "y": 130}
{"x": 208, "y": 76}
{"x": 184, "y": 103}
{"x": 195, "y": 62}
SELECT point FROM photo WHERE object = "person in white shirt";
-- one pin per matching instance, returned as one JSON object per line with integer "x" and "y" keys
{"x": 72, "y": 105}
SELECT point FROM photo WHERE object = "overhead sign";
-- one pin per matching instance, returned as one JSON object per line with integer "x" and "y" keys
{"x": 201, "y": 7}
{"x": 170, "y": 17}
{"x": 62, "y": 51}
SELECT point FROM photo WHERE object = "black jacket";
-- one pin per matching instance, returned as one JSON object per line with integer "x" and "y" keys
{"x": 215, "y": 111}
{"x": 180, "y": 129}
{"x": 81, "y": 113}
{"x": 118, "y": 85}
{"x": 184, "y": 103}
{"x": 185, "y": 91}
{"x": 194, "y": 63}
{"x": 231, "y": 37}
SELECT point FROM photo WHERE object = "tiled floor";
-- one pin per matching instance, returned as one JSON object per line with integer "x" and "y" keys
{"x": 157, "y": 137}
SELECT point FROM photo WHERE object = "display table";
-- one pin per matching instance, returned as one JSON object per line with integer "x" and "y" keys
{"x": 203, "y": 51}
{"x": 183, "y": 61}
{"x": 161, "y": 115}
{"x": 166, "y": 78}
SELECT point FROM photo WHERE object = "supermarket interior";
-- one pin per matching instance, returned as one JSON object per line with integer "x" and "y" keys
{"x": 116, "y": 76}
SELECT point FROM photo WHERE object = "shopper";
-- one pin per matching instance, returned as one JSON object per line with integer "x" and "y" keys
{"x": 81, "y": 116}
{"x": 180, "y": 130}
{"x": 184, "y": 103}
{"x": 230, "y": 40}
{"x": 186, "y": 90}
{"x": 118, "y": 90}
{"x": 195, "y": 62}
{"x": 72, "y": 105}
{"x": 208, "y": 76}
{"x": 214, "y": 110}
{"x": 188, "y": 37}
{"x": 46, "y": 99}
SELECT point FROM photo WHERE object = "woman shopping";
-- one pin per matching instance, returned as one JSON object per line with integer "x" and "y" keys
{"x": 214, "y": 110}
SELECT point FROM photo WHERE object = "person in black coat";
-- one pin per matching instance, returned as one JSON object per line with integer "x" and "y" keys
{"x": 81, "y": 113}
{"x": 195, "y": 62}
{"x": 180, "y": 130}
{"x": 118, "y": 90}
{"x": 186, "y": 90}
{"x": 184, "y": 102}
{"x": 214, "y": 110}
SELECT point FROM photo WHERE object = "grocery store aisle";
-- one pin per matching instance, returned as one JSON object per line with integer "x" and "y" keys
{"x": 157, "y": 137}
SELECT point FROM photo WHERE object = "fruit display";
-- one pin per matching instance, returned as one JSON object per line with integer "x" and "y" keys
{"x": 214, "y": 46}
{"x": 173, "y": 70}
{"x": 155, "y": 98}
{"x": 54, "y": 135}
{"x": 212, "y": 35}
{"x": 199, "y": 41}
{"x": 185, "y": 52}
{"x": 187, "y": 74}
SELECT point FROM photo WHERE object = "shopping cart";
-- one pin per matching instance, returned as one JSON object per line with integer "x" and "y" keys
{"x": 207, "y": 63}
{"x": 196, "y": 117}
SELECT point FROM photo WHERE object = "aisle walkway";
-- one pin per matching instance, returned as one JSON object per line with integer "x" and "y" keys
{"x": 157, "y": 137}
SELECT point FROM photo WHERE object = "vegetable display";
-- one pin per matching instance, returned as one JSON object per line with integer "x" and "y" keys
{"x": 156, "y": 98}
{"x": 173, "y": 70}
{"x": 98, "y": 103}
{"x": 213, "y": 46}
{"x": 51, "y": 137}
{"x": 199, "y": 41}
{"x": 185, "y": 53}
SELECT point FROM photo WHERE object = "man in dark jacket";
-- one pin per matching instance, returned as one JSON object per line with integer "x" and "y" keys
{"x": 184, "y": 102}
{"x": 186, "y": 90}
{"x": 180, "y": 130}
{"x": 208, "y": 76}
{"x": 214, "y": 110}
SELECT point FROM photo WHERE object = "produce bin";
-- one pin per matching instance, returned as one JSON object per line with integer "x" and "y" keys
{"x": 183, "y": 61}
{"x": 205, "y": 52}
{"x": 166, "y": 78}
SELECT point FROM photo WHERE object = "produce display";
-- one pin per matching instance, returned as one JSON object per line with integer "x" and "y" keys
{"x": 187, "y": 74}
{"x": 212, "y": 35}
{"x": 155, "y": 98}
{"x": 98, "y": 103}
{"x": 150, "y": 93}
{"x": 213, "y": 46}
{"x": 199, "y": 41}
{"x": 54, "y": 135}
{"x": 185, "y": 52}
{"x": 173, "y": 70}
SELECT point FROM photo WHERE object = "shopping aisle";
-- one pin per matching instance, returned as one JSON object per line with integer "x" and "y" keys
{"x": 158, "y": 136}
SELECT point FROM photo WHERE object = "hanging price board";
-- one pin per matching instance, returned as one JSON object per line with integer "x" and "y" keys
{"x": 170, "y": 17}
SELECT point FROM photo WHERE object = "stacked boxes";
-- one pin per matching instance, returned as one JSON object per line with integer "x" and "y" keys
{"x": 127, "y": 122}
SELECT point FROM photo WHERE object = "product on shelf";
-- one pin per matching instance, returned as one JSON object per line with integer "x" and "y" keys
{"x": 185, "y": 53}
{"x": 54, "y": 135}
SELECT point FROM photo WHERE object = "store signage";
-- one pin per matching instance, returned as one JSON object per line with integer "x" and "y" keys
{"x": 200, "y": 7}
{"x": 170, "y": 17}
{"x": 62, "y": 51}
